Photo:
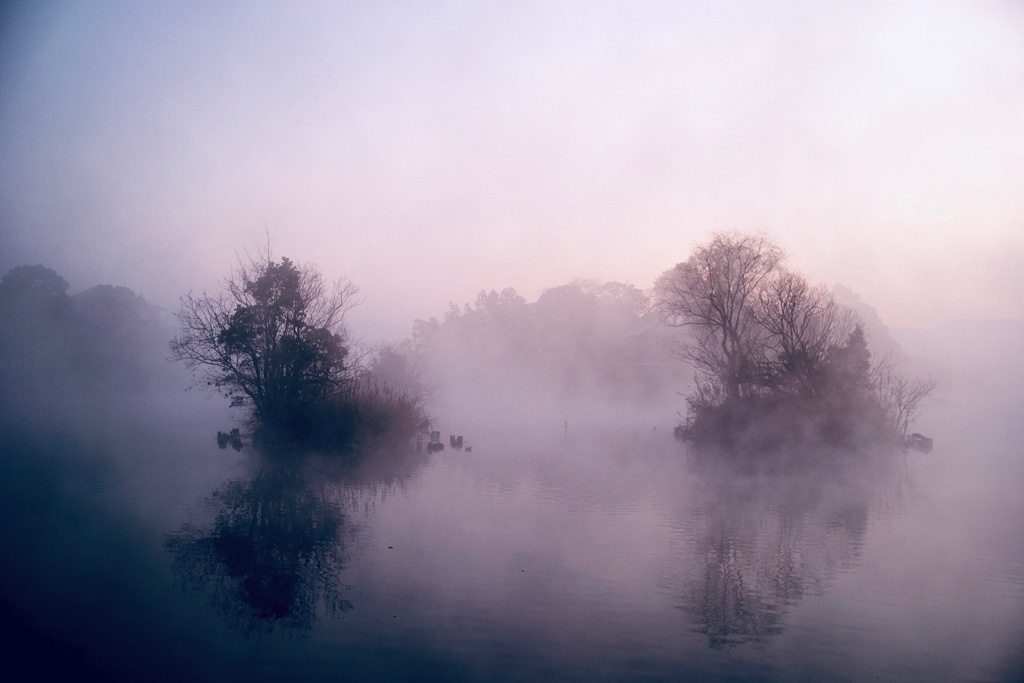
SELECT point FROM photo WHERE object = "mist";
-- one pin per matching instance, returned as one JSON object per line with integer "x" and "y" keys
{"x": 512, "y": 443}
{"x": 431, "y": 153}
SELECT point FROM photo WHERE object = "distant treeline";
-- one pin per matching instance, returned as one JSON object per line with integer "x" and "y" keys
{"x": 104, "y": 338}
{"x": 61, "y": 353}
{"x": 583, "y": 338}
{"x": 768, "y": 359}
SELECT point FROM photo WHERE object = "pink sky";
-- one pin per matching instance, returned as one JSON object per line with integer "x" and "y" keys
{"x": 430, "y": 150}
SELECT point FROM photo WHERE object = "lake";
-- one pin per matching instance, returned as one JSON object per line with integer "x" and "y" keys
{"x": 598, "y": 550}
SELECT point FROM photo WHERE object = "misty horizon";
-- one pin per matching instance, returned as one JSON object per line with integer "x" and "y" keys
{"x": 428, "y": 154}
{"x": 372, "y": 330}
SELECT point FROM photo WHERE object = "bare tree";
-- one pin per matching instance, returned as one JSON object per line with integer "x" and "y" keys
{"x": 274, "y": 338}
{"x": 802, "y": 324}
{"x": 715, "y": 292}
{"x": 899, "y": 396}
{"x": 766, "y": 344}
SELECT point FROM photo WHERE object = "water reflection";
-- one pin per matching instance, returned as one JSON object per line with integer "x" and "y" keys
{"x": 271, "y": 546}
{"x": 758, "y": 542}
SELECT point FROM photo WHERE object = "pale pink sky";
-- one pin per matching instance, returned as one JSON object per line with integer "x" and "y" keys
{"x": 428, "y": 150}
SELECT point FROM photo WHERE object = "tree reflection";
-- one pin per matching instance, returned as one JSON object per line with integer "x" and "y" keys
{"x": 273, "y": 544}
{"x": 757, "y": 543}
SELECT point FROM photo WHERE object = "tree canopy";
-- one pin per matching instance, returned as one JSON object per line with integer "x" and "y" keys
{"x": 765, "y": 342}
{"x": 715, "y": 292}
{"x": 273, "y": 339}
{"x": 583, "y": 337}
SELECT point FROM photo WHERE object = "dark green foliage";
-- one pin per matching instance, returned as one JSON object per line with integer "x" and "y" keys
{"x": 275, "y": 341}
{"x": 270, "y": 343}
{"x": 282, "y": 364}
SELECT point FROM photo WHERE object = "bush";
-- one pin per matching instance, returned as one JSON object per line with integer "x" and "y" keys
{"x": 367, "y": 412}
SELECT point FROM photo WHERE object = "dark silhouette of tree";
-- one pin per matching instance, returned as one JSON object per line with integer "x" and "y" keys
{"x": 900, "y": 396}
{"x": 274, "y": 340}
{"x": 36, "y": 281}
{"x": 802, "y": 325}
{"x": 714, "y": 292}
{"x": 848, "y": 368}
{"x": 33, "y": 302}
{"x": 774, "y": 354}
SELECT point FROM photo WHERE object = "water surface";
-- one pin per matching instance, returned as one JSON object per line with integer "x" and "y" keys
{"x": 138, "y": 550}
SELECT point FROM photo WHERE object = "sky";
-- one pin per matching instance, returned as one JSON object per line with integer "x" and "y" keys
{"x": 429, "y": 150}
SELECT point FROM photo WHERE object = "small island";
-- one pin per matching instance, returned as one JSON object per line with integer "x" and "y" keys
{"x": 780, "y": 364}
{"x": 274, "y": 341}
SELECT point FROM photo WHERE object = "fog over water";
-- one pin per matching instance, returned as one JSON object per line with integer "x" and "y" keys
{"x": 578, "y": 540}
{"x": 505, "y": 184}
{"x": 430, "y": 152}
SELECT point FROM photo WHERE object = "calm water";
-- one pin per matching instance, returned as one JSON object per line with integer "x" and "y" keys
{"x": 135, "y": 549}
